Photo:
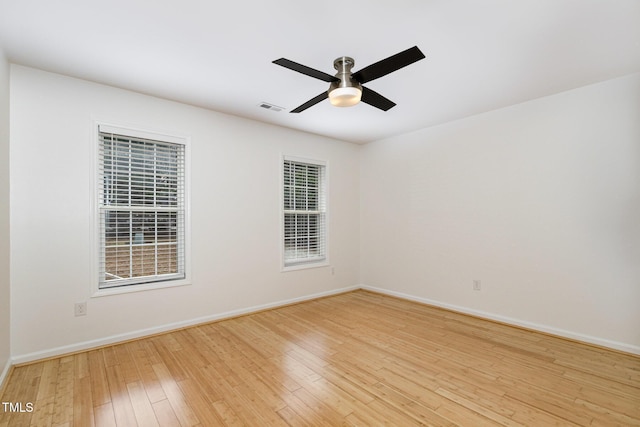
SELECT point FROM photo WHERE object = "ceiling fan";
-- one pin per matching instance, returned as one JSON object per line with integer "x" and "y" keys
{"x": 345, "y": 87}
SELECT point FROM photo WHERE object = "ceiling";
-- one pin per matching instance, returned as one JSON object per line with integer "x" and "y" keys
{"x": 480, "y": 55}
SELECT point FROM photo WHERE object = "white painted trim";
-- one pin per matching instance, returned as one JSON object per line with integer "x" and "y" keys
{"x": 86, "y": 345}
{"x": 627, "y": 348}
{"x": 136, "y": 132}
{"x": 304, "y": 265}
{"x": 5, "y": 372}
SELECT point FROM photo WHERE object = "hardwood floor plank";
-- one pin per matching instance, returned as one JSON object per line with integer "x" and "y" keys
{"x": 180, "y": 405}
{"x": 99, "y": 385}
{"x": 164, "y": 414}
{"x": 142, "y": 409}
{"x": 122, "y": 407}
{"x": 63, "y": 404}
{"x": 261, "y": 410}
{"x": 297, "y": 412}
{"x": 83, "y": 415}
{"x": 194, "y": 360}
{"x": 128, "y": 369}
{"x": 226, "y": 414}
{"x": 357, "y": 358}
{"x": 549, "y": 400}
{"x": 81, "y": 361}
{"x": 275, "y": 377}
{"x": 529, "y": 415}
{"x": 144, "y": 364}
{"x": 292, "y": 418}
{"x": 45, "y": 399}
{"x": 236, "y": 404}
{"x": 166, "y": 347}
{"x": 104, "y": 415}
{"x": 326, "y": 391}
{"x": 414, "y": 391}
{"x": 420, "y": 412}
{"x": 380, "y": 412}
{"x": 323, "y": 411}
{"x": 483, "y": 410}
{"x": 349, "y": 384}
{"x": 200, "y": 402}
{"x": 604, "y": 416}
{"x": 109, "y": 356}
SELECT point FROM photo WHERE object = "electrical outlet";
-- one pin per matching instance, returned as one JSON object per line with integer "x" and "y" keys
{"x": 80, "y": 309}
{"x": 476, "y": 285}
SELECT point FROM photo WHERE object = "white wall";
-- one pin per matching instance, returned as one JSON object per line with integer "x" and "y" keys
{"x": 235, "y": 207}
{"x": 540, "y": 201}
{"x": 4, "y": 219}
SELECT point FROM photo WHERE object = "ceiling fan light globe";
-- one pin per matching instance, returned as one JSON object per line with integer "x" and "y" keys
{"x": 345, "y": 96}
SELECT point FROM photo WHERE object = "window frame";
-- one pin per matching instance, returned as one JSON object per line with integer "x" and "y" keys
{"x": 324, "y": 196}
{"x": 142, "y": 285}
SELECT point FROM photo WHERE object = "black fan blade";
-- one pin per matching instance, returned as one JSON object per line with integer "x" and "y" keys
{"x": 305, "y": 70}
{"x": 374, "y": 99}
{"x": 311, "y": 102}
{"x": 388, "y": 65}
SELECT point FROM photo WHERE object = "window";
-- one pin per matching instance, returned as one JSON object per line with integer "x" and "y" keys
{"x": 141, "y": 209}
{"x": 304, "y": 212}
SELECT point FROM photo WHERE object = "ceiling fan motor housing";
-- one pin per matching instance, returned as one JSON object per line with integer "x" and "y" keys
{"x": 343, "y": 65}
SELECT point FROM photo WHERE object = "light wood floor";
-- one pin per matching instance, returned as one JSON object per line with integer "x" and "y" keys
{"x": 353, "y": 359}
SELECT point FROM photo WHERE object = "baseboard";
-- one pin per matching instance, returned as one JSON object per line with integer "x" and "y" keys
{"x": 87, "y": 345}
{"x": 587, "y": 339}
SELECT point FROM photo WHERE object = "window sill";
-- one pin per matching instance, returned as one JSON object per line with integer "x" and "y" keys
{"x": 139, "y": 288}
{"x": 305, "y": 266}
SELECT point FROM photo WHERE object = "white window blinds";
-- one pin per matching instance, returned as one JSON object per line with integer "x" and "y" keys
{"x": 141, "y": 210}
{"x": 304, "y": 213}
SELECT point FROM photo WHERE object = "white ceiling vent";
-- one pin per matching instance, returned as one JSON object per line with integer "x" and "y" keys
{"x": 271, "y": 107}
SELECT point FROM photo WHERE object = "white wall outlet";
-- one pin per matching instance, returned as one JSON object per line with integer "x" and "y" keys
{"x": 80, "y": 309}
{"x": 476, "y": 285}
